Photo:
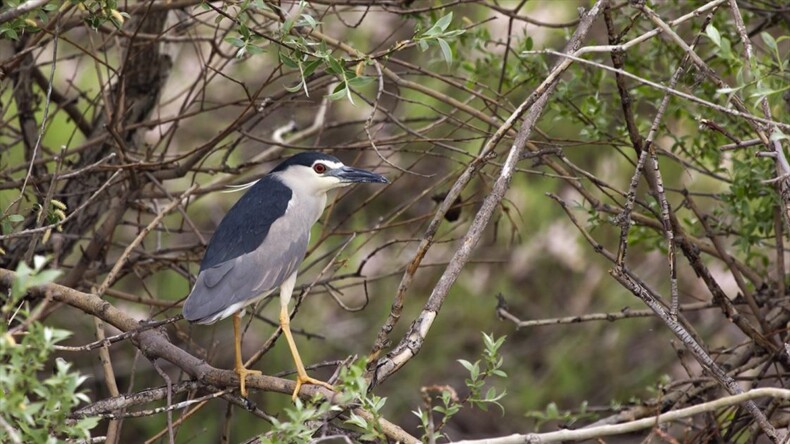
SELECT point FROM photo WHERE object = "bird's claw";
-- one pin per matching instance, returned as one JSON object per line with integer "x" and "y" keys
{"x": 243, "y": 372}
{"x": 304, "y": 379}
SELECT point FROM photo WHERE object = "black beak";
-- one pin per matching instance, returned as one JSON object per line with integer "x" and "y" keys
{"x": 356, "y": 175}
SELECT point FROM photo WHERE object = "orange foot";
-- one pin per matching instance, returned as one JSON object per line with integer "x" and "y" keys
{"x": 243, "y": 372}
{"x": 304, "y": 379}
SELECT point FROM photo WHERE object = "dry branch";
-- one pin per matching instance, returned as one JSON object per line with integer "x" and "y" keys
{"x": 155, "y": 344}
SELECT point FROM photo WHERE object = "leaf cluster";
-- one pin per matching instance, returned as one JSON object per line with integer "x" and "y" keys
{"x": 481, "y": 370}
{"x": 36, "y": 402}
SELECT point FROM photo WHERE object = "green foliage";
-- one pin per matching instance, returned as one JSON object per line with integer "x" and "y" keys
{"x": 27, "y": 277}
{"x": 749, "y": 205}
{"x": 299, "y": 51}
{"x": 428, "y": 133}
{"x": 438, "y": 35}
{"x": 449, "y": 407}
{"x": 305, "y": 419}
{"x": 479, "y": 371}
{"x": 491, "y": 366}
{"x": 98, "y": 12}
{"x": 8, "y": 222}
{"x": 101, "y": 12}
{"x": 488, "y": 64}
{"x": 354, "y": 387}
{"x": 770, "y": 76}
{"x": 36, "y": 402}
{"x": 55, "y": 214}
{"x": 659, "y": 387}
{"x": 348, "y": 79}
{"x": 567, "y": 418}
{"x": 12, "y": 29}
{"x": 247, "y": 42}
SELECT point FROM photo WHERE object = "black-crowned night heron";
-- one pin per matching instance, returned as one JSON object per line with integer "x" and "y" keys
{"x": 260, "y": 243}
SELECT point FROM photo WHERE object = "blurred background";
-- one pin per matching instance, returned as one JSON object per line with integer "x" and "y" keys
{"x": 137, "y": 101}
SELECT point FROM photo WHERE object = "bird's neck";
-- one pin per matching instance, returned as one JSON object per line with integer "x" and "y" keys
{"x": 311, "y": 204}
{"x": 310, "y": 199}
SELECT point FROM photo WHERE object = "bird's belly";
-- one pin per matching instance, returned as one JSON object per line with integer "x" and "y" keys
{"x": 233, "y": 308}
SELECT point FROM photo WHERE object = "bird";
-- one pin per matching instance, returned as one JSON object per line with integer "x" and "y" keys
{"x": 259, "y": 244}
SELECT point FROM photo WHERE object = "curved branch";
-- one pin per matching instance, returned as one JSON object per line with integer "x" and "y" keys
{"x": 154, "y": 343}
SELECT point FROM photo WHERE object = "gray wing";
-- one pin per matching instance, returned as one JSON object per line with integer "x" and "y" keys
{"x": 227, "y": 287}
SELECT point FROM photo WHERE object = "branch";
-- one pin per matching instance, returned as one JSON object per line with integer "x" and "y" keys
{"x": 154, "y": 343}
{"x": 22, "y": 9}
{"x": 751, "y": 118}
{"x": 647, "y": 295}
{"x": 634, "y": 426}
{"x": 626, "y": 313}
{"x": 412, "y": 342}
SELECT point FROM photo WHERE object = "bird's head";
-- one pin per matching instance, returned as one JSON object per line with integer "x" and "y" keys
{"x": 319, "y": 172}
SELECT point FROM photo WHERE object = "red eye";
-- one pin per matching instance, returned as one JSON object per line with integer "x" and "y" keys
{"x": 319, "y": 168}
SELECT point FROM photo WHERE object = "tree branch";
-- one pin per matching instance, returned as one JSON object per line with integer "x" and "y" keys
{"x": 634, "y": 426}
{"x": 155, "y": 344}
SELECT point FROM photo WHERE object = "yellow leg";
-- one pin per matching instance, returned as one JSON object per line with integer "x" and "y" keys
{"x": 239, "y": 368}
{"x": 301, "y": 373}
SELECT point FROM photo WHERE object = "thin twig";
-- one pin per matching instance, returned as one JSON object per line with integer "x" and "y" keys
{"x": 637, "y": 425}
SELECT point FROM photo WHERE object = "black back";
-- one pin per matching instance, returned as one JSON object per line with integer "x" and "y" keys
{"x": 247, "y": 223}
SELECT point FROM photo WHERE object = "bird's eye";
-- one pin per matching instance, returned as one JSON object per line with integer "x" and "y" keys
{"x": 319, "y": 168}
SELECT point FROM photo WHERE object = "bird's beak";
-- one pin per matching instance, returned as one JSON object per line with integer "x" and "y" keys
{"x": 356, "y": 175}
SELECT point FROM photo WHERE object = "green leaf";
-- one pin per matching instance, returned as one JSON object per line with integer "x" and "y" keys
{"x": 310, "y": 67}
{"x": 552, "y": 411}
{"x": 309, "y": 20}
{"x": 378, "y": 404}
{"x": 439, "y": 27}
{"x": 769, "y": 40}
{"x": 335, "y": 66}
{"x": 447, "y": 53}
{"x": 358, "y": 421}
{"x": 288, "y": 61}
{"x": 528, "y": 44}
{"x": 338, "y": 93}
{"x": 488, "y": 341}
{"x": 294, "y": 88}
{"x": 714, "y": 35}
{"x": 11, "y": 34}
{"x": 44, "y": 277}
{"x": 444, "y": 22}
{"x": 474, "y": 373}
{"x": 255, "y": 50}
{"x": 499, "y": 373}
{"x": 467, "y": 365}
{"x": 726, "y": 48}
{"x": 287, "y": 25}
{"x": 358, "y": 82}
{"x": 15, "y": 218}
